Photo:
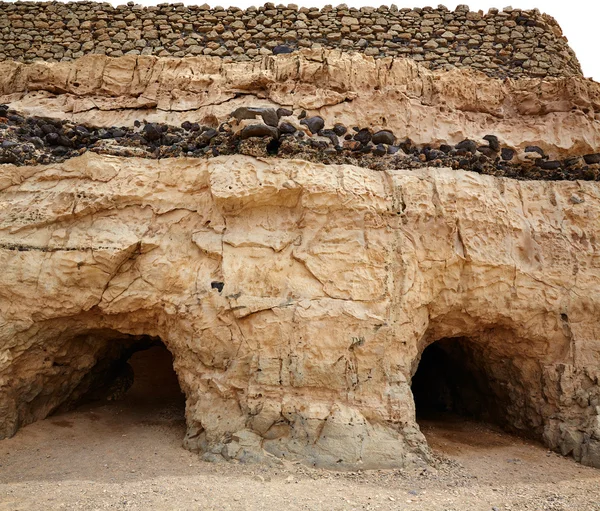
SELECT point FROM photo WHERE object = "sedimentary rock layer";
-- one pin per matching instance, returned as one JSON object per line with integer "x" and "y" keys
{"x": 297, "y": 298}
{"x": 558, "y": 115}
{"x": 511, "y": 42}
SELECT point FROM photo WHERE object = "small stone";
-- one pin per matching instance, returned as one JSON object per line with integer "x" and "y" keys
{"x": 383, "y": 137}
{"x": 287, "y": 128}
{"x": 534, "y": 149}
{"x": 363, "y": 136}
{"x": 466, "y": 146}
{"x": 550, "y": 165}
{"x": 507, "y": 154}
{"x": 314, "y": 124}
{"x": 284, "y": 112}
{"x": 379, "y": 150}
{"x": 282, "y": 48}
{"x": 493, "y": 142}
{"x": 152, "y": 132}
{"x": 590, "y": 159}
{"x": 259, "y": 130}
{"x": 340, "y": 130}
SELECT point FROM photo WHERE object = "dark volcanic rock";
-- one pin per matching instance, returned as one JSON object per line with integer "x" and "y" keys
{"x": 383, "y": 137}
{"x": 287, "y": 128}
{"x": 269, "y": 115}
{"x": 340, "y": 130}
{"x": 284, "y": 112}
{"x": 152, "y": 132}
{"x": 590, "y": 159}
{"x": 363, "y": 136}
{"x": 259, "y": 130}
{"x": 467, "y": 146}
{"x": 314, "y": 124}
{"x": 535, "y": 149}
{"x": 379, "y": 150}
{"x": 507, "y": 154}
{"x": 282, "y": 48}
{"x": 550, "y": 165}
{"x": 493, "y": 142}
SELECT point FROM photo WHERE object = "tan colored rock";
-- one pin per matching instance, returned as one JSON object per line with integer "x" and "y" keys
{"x": 335, "y": 279}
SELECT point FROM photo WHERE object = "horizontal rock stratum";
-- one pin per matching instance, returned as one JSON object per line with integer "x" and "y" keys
{"x": 297, "y": 294}
{"x": 334, "y": 279}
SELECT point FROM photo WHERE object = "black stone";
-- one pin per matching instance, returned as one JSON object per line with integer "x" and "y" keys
{"x": 466, "y": 146}
{"x": 445, "y": 148}
{"x": 171, "y": 139}
{"x": 507, "y": 154}
{"x": 383, "y": 137}
{"x": 152, "y": 132}
{"x": 207, "y": 135}
{"x": 217, "y": 285}
{"x": 48, "y": 128}
{"x": 302, "y": 114}
{"x": 52, "y": 138}
{"x": 81, "y": 131}
{"x": 287, "y": 128}
{"x": 493, "y": 142}
{"x": 318, "y": 144}
{"x": 259, "y": 130}
{"x": 330, "y": 135}
{"x": 282, "y": 48}
{"x": 550, "y": 165}
{"x": 340, "y": 129}
{"x": 284, "y": 112}
{"x": 393, "y": 149}
{"x": 535, "y": 149}
{"x": 363, "y": 136}
{"x": 379, "y": 150}
{"x": 590, "y": 159}
{"x": 314, "y": 124}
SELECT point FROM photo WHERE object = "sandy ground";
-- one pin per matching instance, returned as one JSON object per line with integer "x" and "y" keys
{"x": 127, "y": 455}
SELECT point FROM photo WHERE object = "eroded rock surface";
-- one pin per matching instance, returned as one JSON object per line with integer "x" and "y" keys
{"x": 297, "y": 298}
{"x": 557, "y": 115}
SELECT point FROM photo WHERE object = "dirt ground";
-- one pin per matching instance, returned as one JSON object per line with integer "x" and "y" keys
{"x": 127, "y": 455}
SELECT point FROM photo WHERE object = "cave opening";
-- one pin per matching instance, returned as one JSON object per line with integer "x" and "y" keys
{"x": 457, "y": 383}
{"x": 134, "y": 376}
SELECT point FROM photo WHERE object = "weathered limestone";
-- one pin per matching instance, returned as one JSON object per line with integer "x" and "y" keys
{"x": 334, "y": 279}
{"x": 558, "y": 115}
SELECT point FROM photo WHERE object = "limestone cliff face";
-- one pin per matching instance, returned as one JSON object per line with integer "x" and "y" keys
{"x": 297, "y": 298}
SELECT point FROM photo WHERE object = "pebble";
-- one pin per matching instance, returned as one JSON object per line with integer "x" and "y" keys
{"x": 383, "y": 137}
{"x": 314, "y": 124}
{"x": 259, "y": 130}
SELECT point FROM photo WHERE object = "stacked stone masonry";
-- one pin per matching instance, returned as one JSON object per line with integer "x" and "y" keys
{"x": 506, "y": 43}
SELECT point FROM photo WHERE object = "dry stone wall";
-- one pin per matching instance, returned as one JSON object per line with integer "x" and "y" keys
{"x": 510, "y": 42}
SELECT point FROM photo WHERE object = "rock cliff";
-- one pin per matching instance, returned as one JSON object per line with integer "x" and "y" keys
{"x": 298, "y": 297}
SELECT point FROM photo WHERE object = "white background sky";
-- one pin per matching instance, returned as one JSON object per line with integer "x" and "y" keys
{"x": 579, "y": 19}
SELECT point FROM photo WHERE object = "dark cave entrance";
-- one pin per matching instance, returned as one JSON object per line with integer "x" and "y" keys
{"x": 135, "y": 376}
{"x": 455, "y": 381}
